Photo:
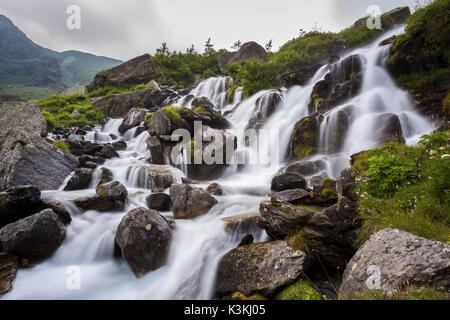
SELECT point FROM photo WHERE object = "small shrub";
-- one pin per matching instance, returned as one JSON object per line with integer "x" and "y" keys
{"x": 172, "y": 113}
{"x": 61, "y": 145}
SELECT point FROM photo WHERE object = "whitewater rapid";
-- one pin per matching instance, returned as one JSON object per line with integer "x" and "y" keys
{"x": 199, "y": 244}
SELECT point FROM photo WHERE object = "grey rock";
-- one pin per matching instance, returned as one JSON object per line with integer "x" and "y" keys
{"x": 189, "y": 202}
{"x": 288, "y": 181}
{"x": 144, "y": 238}
{"x": 18, "y": 202}
{"x": 247, "y": 51}
{"x": 25, "y": 157}
{"x": 132, "y": 119}
{"x": 215, "y": 189}
{"x": 109, "y": 196}
{"x": 158, "y": 201}
{"x": 293, "y": 196}
{"x": 152, "y": 176}
{"x": 156, "y": 150}
{"x": 400, "y": 257}
{"x": 38, "y": 235}
{"x": 80, "y": 180}
{"x": 262, "y": 268}
{"x": 58, "y": 208}
{"x": 242, "y": 223}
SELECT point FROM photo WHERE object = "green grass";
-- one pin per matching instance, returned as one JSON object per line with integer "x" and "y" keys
{"x": 57, "y": 111}
{"x": 61, "y": 145}
{"x": 297, "y": 241}
{"x": 240, "y": 296}
{"x": 110, "y": 90}
{"x": 301, "y": 290}
{"x": 407, "y": 188}
{"x": 423, "y": 79}
{"x": 172, "y": 113}
{"x": 410, "y": 293}
{"x": 28, "y": 93}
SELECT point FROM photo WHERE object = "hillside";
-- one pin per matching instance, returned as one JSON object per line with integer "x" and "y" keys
{"x": 32, "y": 71}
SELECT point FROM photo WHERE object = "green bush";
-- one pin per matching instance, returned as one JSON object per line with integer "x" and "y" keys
{"x": 388, "y": 172}
{"x": 172, "y": 113}
{"x": 407, "y": 188}
{"x": 57, "y": 111}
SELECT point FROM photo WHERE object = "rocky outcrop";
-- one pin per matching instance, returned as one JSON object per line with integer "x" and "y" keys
{"x": 396, "y": 16}
{"x": 259, "y": 268}
{"x": 158, "y": 201}
{"x": 306, "y": 167}
{"x": 132, "y": 119}
{"x": 9, "y": 264}
{"x": 80, "y": 180}
{"x": 330, "y": 233}
{"x": 293, "y": 196}
{"x": 144, "y": 238}
{"x": 38, "y": 235}
{"x": 139, "y": 70}
{"x": 109, "y": 196}
{"x": 247, "y": 51}
{"x": 342, "y": 82}
{"x": 25, "y": 157}
{"x": 118, "y": 105}
{"x": 190, "y": 202}
{"x": 18, "y": 202}
{"x": 391, "y": 259}
{"x": 411, "y": 58}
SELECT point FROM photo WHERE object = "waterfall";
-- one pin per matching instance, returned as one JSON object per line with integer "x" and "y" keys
{"x": 199, "y": 244}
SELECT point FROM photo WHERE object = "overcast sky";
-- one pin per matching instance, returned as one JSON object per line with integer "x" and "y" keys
{"x": 124, "y": 29}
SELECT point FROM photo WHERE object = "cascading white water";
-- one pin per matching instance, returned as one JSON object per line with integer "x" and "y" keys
{"x": 199, "y": 244}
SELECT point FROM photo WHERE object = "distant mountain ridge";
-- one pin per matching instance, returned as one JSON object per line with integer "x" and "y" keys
{"x": 24, "y": 63}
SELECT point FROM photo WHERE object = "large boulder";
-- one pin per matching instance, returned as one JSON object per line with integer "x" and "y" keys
{"x": 38, "y": 235}
{"x": 305, "y": 167}
{"x": 390, "y": 130}
{"x": 139, "y": 70}
{"x": 80, "y": 180}
{"x": 132, "y": 119}
{"x": 144, "y": 238}
{"x": 9, "y": 264}
{"x": 305, "y": 137}
{"x": 206, "y": 108}
{"x": 247, "y": 51}
{"x": 18, "y": 202}
{"x": 288, "y": 181}
{"x": 25, "y": 157}
{"x": 58, "y": 208}
{"x": 158, "y": 201}
{"x": 190, "y": 202}
{"x": 159, "y": 124}
{"x": 217, "y": 151}
{"x": 109, "y": 196}
{"x": 398, "y": 258}
{"x": 259, "y": 268}
{"x": 397, "y": 16}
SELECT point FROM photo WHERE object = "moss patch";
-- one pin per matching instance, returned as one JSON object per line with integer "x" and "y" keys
{"x": 301, "y": 290}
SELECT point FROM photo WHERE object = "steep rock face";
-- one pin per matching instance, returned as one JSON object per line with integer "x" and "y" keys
{"x": 397, "y": 16}
{"x": 262, "y": 268}
{"x": 397, "y": 258}
{"x": 139, "y": 70}
{"x": 421, "y": 51}
{"x": 25, "y": 157}
{"x": 38, "y": 235}
{"x": 144, "y": 237}
{"x": 247, "y": 51}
